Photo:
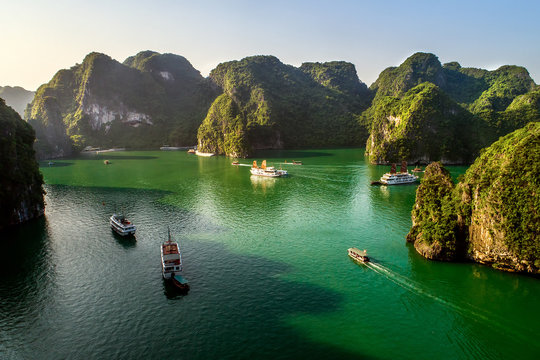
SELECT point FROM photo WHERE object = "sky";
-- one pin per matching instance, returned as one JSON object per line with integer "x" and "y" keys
{"x": 40, "y": 37}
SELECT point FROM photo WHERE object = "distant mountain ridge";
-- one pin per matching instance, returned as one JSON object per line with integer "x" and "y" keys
{"x": 16, "y": 97}
{"x": 420, "y": 111}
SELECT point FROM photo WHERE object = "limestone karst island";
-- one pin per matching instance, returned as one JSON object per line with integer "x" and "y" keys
{"x": 300, "y": 180}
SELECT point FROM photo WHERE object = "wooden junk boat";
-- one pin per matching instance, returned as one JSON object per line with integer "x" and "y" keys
{"x": 358, "y": 255}
{"x": 397, "y": 178}
{"x": 171, "y": 264}
{"x": 268, "y": 171}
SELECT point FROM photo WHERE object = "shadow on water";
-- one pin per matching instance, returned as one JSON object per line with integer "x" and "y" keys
{"x": 115, "y": 304}
{"x": 249, "y": 302}
{"x": 26, "y": 272}
{"x": 127, "y": 242}
{"x": 110, "y": 156}
{"x": 45, "y": 164}
{"x": 290, "y": 154}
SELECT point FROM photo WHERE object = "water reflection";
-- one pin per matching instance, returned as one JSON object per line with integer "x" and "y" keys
{"x": 262, "y": 182}
{"x": 127, "y": 242}
{"x": 27, "y": 273}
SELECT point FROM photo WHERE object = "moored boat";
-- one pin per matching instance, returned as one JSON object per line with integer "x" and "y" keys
{"x": 358, "y": 255}
{"x": 294, "y": 162}
{"x": 398, "y": 178}
{"x": 235, "y": 163}
{"x": 198, "y": 153}
{"x": 268, "y": 171}
{"x": 191, "y": 151}
{"x": 171, "y": 264}
{"x": 121, "y": 225}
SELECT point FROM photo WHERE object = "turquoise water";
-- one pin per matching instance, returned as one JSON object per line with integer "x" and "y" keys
{"x": 266, "y": 260}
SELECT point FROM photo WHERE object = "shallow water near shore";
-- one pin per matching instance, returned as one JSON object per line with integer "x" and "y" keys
{"x": 266, "y": 260}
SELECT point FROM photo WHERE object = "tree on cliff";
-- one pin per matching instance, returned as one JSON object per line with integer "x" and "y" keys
{"x": 492, "y": 214}
{"x": 21, "y": 192}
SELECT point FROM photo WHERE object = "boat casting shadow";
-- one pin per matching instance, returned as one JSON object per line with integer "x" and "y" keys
{"x": 127, "y": 242}
{"x": 258, "y": 312}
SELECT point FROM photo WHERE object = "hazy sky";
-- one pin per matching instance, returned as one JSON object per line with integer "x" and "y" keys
{"x": 41, "y": 37}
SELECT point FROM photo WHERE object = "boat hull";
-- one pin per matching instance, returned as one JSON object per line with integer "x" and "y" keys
{"x": 180, "y": 283}
{"x": 357, "y": 255}
{"x": 120, "y": 229}
{"x": 271, "y": 174}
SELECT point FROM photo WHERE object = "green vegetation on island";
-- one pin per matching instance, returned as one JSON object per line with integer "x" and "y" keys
{"x": 149, "y": 100}
{"x": 434, "y": 232}
{"x": 471, "y": 106}
{"x": 21, "y": 192}
{"x": 420, "y": 111}
{"x": 267, "y": 104}
{"x": 492, "y": 213}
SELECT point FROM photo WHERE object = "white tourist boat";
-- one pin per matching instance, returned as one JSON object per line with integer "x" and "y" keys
{"x": 121, "y": 225}
{"x": 398, "y": 178}
{"x": 358, "y": 255}
{"x": 268, "y": 171}
{"x": 171, "y": 263}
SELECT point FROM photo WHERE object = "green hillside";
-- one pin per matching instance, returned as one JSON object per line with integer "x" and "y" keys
{"x": 150, "y": 100}
{"x": 280, "y": 106}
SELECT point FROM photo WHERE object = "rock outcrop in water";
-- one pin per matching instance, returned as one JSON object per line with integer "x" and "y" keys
{"x": 424, "y": 111}
{"x": 149, "y": 100}
{"x": 492, "y": 213}
{"x": 21, "y": 192}
{"x": 435, "y": 228}
{"x": 269, "y": 105}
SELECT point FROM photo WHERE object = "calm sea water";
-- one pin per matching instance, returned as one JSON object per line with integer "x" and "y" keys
{"x": 266, "y": 260}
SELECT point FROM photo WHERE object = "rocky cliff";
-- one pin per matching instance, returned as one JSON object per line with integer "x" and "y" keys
{"x": 149, "y": 100}
{"x": 16, "y": 97}
{"x": 422, "y": 126}
{"x": 434, "y": 232}
{"x": 267, "y": 104}
{"x": 473, "y": 106}
{"x": 493, "y": 211}
{"x": 21, "y": 193}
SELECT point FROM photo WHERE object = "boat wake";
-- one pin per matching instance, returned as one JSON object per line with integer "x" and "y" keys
{"x": 468, "y": 310}
{"x": 411, "y": 285}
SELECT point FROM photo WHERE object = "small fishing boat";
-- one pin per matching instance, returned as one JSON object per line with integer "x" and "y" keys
{"x": 418, "y": 169}
{"x": 358, "y": 255}
{"x": 191, "y": 151}
{"x": 171, "y": 264}
{"x": 294, "y": 162}
{"x": 121, "y": 225}
{"x": 268, "y": 171}
{"x": 235, "y": 163}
